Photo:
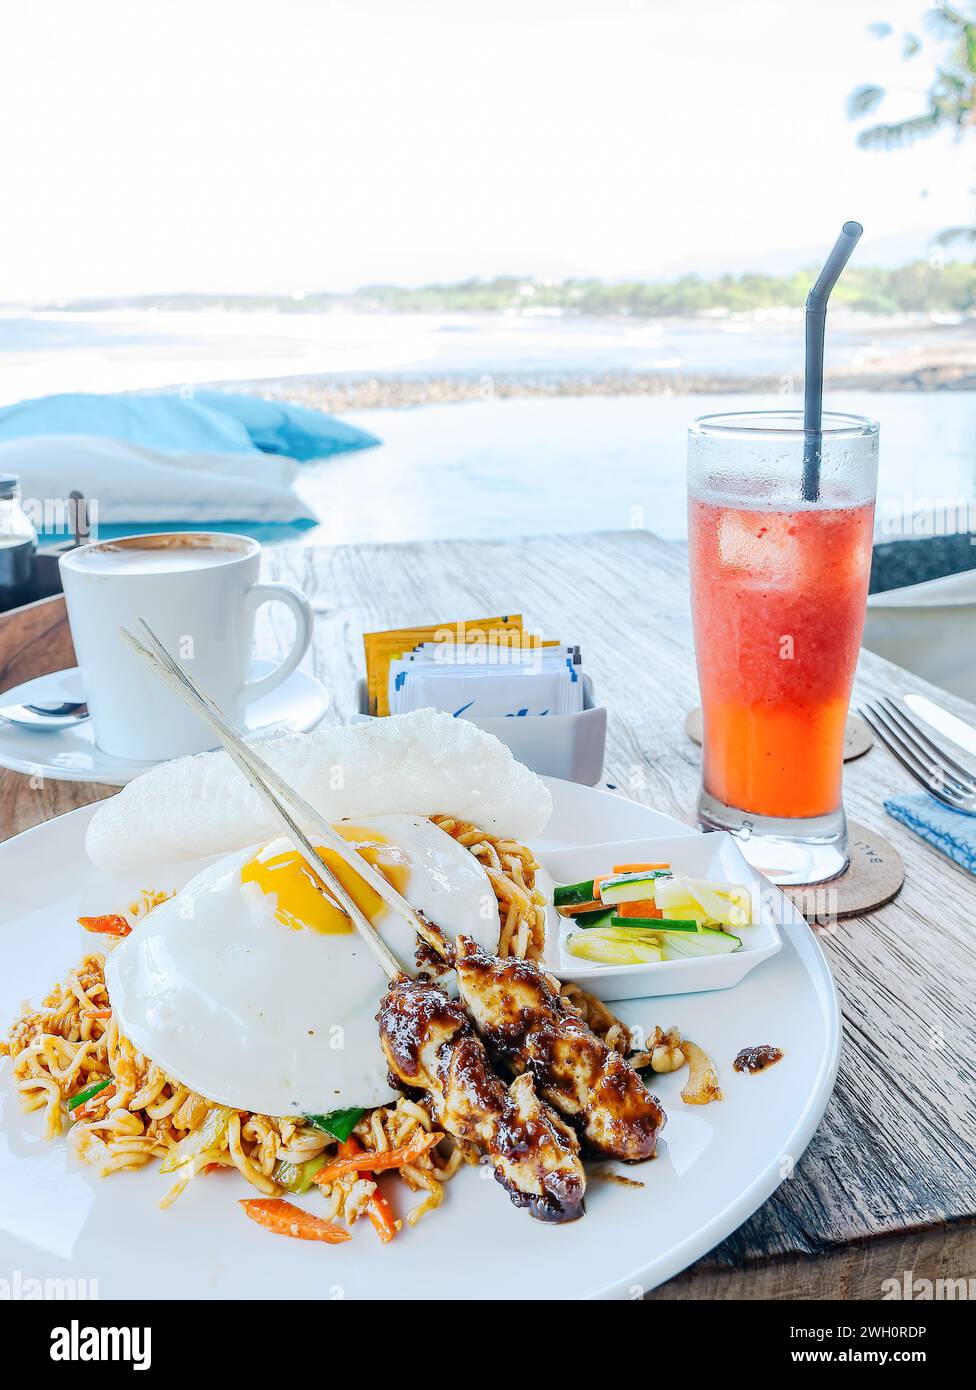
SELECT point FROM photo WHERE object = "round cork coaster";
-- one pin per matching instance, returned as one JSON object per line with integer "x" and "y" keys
{"x": 857, "y": 736}
{"x": 875, "y": 874}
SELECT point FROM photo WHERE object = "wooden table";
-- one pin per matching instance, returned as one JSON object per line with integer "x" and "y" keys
{"x": 888, "y": 1183}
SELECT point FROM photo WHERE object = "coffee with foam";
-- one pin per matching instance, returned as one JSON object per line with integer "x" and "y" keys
{"x": 156, "y": 555}
{"x": 198, "y": 591}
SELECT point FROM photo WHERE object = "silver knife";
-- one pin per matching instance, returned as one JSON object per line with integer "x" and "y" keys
{"x": 957, "y": 729}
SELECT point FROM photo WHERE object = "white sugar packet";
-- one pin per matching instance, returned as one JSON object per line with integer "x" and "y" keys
{"x": 536, "y": 682}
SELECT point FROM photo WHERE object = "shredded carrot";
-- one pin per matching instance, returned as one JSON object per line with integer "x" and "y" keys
{"x": 111, "y": 924}
{"x": 378, "y": 1209}
{"x": 96, "y": 1013}
{"x": 638, "y": 868}
{"x": 637, "y": 910}
{"x": 379, "y": 1162}
{"x": 285, "y": 1219}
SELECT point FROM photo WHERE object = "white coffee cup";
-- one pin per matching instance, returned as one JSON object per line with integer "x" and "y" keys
{"x": 199, "y": 592}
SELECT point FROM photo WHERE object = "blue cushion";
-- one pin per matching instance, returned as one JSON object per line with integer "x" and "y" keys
{"x": 169, "y": 422}
{"x": 279, "y": 427}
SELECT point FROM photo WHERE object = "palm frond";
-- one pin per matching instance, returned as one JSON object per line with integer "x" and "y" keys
{"x": 901, "y": 133}
{"x": 864, "y": 99}
{"x": 944, "y": 21}
{"x": 956, "y": 236}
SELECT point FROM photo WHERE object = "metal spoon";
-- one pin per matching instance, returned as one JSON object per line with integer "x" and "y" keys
{"x": 63, "y": 715}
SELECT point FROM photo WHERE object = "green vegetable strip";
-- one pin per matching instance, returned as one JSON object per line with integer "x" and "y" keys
{"x": 570, "y": 894}
{"x": 602, "y": 917}
{"x": 297, "y": 1177}
{"x": 88, "y": 1092}
{"x": 339, "y": 1123}
{"x": 655, "y": 924}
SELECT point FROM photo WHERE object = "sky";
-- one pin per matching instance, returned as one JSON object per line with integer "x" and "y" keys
{"x": 290, "y": 145}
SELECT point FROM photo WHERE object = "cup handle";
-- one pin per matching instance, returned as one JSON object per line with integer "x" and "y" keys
{"x": 293, "y": 598}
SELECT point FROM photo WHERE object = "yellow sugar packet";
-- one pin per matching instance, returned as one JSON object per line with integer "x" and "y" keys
{"x": 384, "y": 647}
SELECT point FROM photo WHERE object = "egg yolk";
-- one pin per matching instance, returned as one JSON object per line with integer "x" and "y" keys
{"x": 304, "y": 902}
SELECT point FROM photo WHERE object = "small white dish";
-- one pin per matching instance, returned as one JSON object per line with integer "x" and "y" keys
{"x": 568, "y": 746}
{"x": 715, "y": 856}
{"x": 71, "y": 755}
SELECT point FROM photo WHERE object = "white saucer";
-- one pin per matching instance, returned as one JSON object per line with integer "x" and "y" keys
{"x": 70, "y": 755}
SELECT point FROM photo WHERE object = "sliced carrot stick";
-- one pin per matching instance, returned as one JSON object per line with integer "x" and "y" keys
{"x": 379, "y": 1162}
{"x": 381, "y": 1217}
{"x": 111, "y": 924}
{"x": 637, "y": 910}
{"x": 285, "y": 1219}
{"x": 378, "y": 1209}
{"x": 638, "y": 868}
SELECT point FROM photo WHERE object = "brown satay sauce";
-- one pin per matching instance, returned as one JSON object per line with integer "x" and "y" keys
{"x": 753, "y": 1059}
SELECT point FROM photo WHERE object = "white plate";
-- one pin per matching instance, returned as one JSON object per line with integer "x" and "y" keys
{"x": 717, "y": 1163}
{"x": 716, "y": 857}
{"x": 71, "y": 755}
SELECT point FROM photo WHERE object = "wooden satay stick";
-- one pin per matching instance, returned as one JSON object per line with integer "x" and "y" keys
{"x": 213, "y": 715}
{"x": 387, "y": 961}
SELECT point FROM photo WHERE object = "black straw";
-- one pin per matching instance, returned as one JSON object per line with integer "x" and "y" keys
{"x": 816, "y": 323}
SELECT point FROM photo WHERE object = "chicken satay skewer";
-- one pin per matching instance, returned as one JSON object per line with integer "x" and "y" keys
{"x": 431, "y": 1046}
{"x": 525, "y": 1024}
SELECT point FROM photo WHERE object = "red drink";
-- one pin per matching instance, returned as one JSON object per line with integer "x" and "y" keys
{"x": 778, "y": 603}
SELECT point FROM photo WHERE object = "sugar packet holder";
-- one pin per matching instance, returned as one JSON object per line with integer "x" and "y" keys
{"x": 569, "y": 746}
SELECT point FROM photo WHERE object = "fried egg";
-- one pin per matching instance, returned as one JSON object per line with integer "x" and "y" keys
{"x": 251, "y": 986}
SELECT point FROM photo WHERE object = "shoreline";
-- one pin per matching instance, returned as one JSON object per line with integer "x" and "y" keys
{"x": 335, "y": 394}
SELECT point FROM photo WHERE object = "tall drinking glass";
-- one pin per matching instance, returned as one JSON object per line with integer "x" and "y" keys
{"x": 778, "y": 589}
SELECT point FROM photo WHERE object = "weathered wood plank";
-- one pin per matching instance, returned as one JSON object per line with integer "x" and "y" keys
{"x": 861, "y": 1271}
{"x": 34, "y": 640}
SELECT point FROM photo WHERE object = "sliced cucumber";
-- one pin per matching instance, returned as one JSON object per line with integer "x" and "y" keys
{"x": 572, "y": 894}
{"x": 656, "y": 925}
{"x": 707, "y": 942}
{"x": 602, "y": 917}
{"x": 629, "y": 888}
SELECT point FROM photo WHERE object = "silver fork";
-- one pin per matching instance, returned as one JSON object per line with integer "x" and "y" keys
{"x": 930, "y": 765}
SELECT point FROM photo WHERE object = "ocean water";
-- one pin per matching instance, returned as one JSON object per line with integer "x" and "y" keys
{"x": 592, "y": 463}
{"x": 507, "y": 467}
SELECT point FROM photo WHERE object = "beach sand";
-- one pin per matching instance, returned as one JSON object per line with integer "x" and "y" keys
{"x": 946, "y": 368}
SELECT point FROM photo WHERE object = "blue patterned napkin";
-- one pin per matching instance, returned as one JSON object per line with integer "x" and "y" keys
{"x": 951, "y": 832}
